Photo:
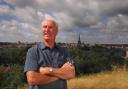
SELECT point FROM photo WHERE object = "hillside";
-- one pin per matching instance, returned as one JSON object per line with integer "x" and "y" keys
{"x": 117, "y": 79}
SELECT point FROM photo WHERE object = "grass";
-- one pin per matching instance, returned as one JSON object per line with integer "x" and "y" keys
{"x": 117, "y": 79}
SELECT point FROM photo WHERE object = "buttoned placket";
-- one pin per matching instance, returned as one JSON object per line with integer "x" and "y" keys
{"x": 53, "y": 57}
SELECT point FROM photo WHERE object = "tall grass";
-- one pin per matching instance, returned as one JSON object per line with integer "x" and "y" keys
{"x": 117, "y": 79}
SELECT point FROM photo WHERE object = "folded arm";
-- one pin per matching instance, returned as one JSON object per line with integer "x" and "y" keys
{"x": 67, "y": 71}
{"x": 36, "y": 78}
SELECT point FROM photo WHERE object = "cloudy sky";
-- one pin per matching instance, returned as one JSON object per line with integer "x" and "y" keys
{"x": 97, "y": 21}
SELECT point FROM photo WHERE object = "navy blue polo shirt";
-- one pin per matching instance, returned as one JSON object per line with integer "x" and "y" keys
{"x": 40, "y": 55}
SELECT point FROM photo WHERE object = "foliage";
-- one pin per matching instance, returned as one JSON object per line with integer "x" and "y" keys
{"x": 95, "y": 58}
{"x": 10, "y": 56}
{"x": 11, "y": 76}
{"x": 88, "y": 59}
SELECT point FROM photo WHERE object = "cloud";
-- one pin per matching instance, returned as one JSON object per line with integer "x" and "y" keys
{"x": 113, "y": 7}
{"x": 21, "y": 3}
{"x": 25, "y": 14}
{"x": 15, "y": 31}
{"x": 119, "y": 22}
{"x": 4, "y": 9}
{"x": 96, "y": 20}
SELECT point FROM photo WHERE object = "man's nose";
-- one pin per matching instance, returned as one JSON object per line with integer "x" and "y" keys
{"x": 47, "y": 29}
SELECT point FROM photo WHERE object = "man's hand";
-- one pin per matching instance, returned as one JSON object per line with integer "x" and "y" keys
{"x": 67, "y": 65}
{"x": 68, "y": 68}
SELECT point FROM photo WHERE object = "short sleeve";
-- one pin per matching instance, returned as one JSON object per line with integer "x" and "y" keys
{"x": 31, "y": 63}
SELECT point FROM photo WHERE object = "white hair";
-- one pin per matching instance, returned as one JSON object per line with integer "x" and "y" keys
{"x": 50, "y": 19}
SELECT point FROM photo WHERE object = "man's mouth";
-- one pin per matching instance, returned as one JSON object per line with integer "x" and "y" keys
{"x": 47, "y": 35}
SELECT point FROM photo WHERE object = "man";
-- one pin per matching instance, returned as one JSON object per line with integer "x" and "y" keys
{"x": 47, "y": 64}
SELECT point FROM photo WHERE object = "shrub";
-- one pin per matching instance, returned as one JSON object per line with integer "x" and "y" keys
{"x": 95, "y": 59}
{"x": 11, "y": 76}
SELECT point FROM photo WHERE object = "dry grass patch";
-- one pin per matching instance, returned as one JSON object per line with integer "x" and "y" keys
{"x": 117, "y": 79}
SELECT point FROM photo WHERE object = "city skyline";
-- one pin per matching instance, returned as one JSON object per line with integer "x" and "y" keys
{"x": 97, "y": 21}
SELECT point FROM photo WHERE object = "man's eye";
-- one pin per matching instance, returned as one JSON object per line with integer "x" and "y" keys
{"x": 44, "y": 26}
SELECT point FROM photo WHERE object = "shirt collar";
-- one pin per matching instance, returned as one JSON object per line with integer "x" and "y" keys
{"x": 42, "y": 46}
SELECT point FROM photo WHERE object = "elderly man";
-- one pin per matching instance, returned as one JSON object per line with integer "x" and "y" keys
{"x": 47, "y": 65}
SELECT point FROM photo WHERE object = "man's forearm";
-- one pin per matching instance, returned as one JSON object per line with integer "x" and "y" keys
{"x": 36, "y": 78}
{"x": 67, "y": 71}
{"x": 63, "y": 73}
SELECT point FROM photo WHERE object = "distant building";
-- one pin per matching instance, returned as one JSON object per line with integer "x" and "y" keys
{"x": 19, "y": 44}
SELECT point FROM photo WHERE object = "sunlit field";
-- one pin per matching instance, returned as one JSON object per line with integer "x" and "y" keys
{"x": 117, "y": 79}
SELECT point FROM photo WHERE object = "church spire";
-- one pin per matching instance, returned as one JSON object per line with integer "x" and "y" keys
{"x": 79, "y": 41}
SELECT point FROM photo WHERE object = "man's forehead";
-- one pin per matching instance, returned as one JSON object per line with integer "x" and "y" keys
{"x": 49, "y": 22}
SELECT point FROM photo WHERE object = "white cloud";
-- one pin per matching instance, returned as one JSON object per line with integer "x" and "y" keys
{"x": 14, "y": 31}
{"x": 84, "y": 15}
{"x": 4, "y": 9}
{"x": 25, "y": 14}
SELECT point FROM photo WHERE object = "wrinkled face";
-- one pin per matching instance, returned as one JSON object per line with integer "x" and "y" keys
{"x": 49, "y": 30}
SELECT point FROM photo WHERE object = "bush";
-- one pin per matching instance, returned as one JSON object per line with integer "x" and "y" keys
{"x": 10, "y": 56}
{"x": 87, "y": 60}
{"x": 11, "y": 76}
{"x": 95, "y": 59}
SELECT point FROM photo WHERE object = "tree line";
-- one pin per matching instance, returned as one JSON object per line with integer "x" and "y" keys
{"x": 87, "y": 60}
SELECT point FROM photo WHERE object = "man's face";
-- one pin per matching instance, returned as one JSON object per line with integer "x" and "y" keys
{"x": 49, "y": 30}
